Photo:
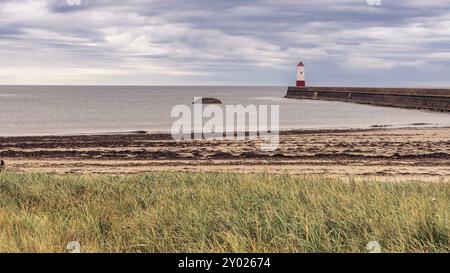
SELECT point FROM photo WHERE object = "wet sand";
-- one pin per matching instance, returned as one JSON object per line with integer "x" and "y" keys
{"x": 398, "y": 153}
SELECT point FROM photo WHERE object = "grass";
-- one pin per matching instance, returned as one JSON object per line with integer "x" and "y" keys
{"x": 220, "y": 212}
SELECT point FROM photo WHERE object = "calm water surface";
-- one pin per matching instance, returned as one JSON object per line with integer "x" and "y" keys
{"x": 43, "y": 110}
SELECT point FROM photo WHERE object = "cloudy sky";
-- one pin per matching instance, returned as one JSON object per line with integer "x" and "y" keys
{"x": 229, "y": 42}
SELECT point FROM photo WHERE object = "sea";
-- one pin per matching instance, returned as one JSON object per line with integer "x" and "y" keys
{"x": 67, "y": 110}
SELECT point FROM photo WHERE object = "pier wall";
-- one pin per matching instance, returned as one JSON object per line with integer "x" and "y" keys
{"x": 416, "y": 98}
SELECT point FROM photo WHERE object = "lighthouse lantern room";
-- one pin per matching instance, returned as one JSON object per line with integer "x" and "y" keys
{"x": 301, "y": 75}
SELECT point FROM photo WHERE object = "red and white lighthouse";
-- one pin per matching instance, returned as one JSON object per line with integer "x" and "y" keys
{"x": 301, "y": 75}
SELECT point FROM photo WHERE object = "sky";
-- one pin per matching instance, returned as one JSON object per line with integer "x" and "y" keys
{"x": 229, "y": 42}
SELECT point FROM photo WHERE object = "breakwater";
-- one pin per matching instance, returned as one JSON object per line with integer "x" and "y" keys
{"x": 416, "y": 98}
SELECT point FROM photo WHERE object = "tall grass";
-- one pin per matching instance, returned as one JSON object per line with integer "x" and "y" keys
{"x": 220, "y": 212}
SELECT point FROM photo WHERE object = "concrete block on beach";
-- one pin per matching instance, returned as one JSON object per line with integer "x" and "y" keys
{"x": 207, "y": 101}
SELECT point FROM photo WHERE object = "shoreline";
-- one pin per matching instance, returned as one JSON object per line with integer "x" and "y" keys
{"x": 165, "y": 134}
{"x": 400, "y": 153}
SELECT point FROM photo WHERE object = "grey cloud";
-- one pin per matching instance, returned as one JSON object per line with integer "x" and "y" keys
{"x": 341, "y": 41}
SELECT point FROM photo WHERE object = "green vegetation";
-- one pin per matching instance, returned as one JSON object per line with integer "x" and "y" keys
{"x": 220, "y": 212}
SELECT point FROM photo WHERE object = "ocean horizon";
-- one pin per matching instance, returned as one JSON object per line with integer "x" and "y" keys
{"x": 29, "y": 110}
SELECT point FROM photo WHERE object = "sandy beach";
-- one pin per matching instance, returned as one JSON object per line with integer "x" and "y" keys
{"x": 401, "y": 153}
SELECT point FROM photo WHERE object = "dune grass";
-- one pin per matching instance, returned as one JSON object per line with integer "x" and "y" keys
{"x": 220, "y": 212}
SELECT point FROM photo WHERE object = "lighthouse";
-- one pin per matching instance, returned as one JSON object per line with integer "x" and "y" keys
{"x": 301, "y": 75}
